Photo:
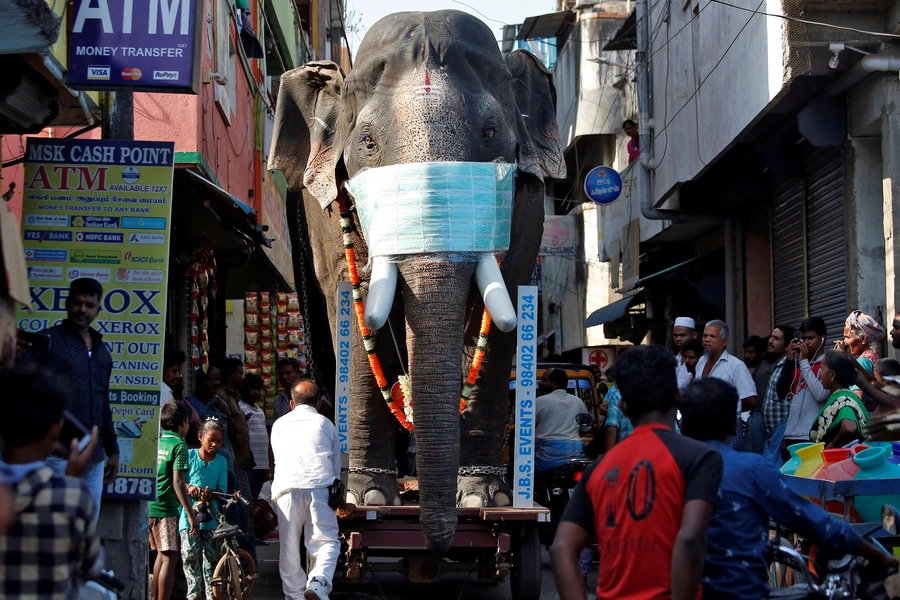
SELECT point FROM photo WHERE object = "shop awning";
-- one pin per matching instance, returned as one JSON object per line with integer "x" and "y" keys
{"x": 669, "y": 271}
{"x": 612, "y": 312}
{"x": 203, "y": 210}
{"x": 231, "y": 209}
{"x": 551, "y": 25}
{"x": 33, "y": 92}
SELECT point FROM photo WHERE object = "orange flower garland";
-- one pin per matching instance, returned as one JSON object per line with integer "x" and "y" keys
{"x": 396, "y": 408}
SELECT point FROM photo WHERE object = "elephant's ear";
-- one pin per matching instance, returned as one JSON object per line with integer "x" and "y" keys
{"x": 540, "y": 150}
{"x": 303, "y": 141}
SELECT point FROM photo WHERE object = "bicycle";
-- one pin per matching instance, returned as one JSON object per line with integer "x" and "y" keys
{"x": 235, "y": 573}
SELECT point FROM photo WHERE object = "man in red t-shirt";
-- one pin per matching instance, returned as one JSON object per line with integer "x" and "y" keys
{"x": 648, "y": 501}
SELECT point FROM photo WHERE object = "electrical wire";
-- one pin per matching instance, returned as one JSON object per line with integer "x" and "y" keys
{"x": 708, "y": 75}
{"x": 808, "y": 22}
{"x": 480, "y": 13}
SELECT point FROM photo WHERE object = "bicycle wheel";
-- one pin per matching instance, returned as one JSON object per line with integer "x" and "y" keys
{"x": 237, "y": 575}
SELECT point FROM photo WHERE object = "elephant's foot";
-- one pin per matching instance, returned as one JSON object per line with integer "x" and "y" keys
{"x": 372, "y": 488}
{"x": 475, "y": 491}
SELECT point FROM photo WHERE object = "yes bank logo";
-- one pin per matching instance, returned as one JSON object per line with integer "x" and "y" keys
{"x": 165, "y": 75}
{"x": 98, "y": 73}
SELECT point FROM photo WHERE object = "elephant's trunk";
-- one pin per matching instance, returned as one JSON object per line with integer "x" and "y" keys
{"x": 434, "y": 293}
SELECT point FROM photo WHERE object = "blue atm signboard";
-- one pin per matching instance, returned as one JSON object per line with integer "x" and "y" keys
{"x": 140, "y": 45}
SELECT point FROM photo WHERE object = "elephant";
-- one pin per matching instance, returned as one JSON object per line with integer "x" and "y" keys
{"x": 428, "y": 88}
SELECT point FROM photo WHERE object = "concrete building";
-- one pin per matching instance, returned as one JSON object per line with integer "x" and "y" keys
{"x": 595, "y": 94}
{"x": 224, "y": 199}
{"x": 766, "y": 188}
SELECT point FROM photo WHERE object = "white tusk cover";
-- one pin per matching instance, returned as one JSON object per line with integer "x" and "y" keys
{"x": 382, "y": 286}
{"x": 493, "y": 290}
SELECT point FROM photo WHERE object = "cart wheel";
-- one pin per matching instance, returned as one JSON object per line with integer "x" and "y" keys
{"x": 525, "y": 576}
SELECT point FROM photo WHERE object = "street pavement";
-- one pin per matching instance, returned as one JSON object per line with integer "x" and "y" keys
{"x": 394, "y": 587}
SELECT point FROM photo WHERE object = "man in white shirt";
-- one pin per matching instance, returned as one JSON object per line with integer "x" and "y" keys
{"x": 556, "y": 429}
{"x": 719, "y": 364}
{"x": 307, "y": 460}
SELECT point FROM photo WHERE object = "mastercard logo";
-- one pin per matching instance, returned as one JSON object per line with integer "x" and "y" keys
{"x": 131, "y": 74}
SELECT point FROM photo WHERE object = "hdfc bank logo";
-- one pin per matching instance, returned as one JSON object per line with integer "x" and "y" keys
{"x": 131, "y": 74}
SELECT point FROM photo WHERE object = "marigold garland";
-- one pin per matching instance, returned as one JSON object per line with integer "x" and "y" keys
{"x": 402, "y": 412}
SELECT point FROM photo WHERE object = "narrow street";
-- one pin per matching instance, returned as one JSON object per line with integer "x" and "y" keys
{"x": 394, "y": 587}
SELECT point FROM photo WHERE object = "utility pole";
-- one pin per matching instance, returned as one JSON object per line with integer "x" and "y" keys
{"x": 123, "y": 523}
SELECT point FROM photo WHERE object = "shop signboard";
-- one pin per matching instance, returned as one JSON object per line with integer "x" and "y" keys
{"x": 560, "y": 236}
{"x": 101, "y": 209}
{"x": 142, "y": 46}
{"x": 603, "y": 185}
{"x": 526, "y": 394}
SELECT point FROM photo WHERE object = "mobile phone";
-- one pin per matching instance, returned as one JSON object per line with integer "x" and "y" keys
{"x": 73, "y": 429}
{"x": 39, "y": 342}
{"x": 798, "y": 336}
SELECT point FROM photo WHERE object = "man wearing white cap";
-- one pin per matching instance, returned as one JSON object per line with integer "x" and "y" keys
{"x": 684, "y": 329}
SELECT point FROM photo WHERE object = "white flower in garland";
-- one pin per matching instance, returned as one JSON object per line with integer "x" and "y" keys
{"x": 406, "y": 388}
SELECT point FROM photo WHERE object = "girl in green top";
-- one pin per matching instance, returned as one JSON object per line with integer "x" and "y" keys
{"x": 843, "y": 417}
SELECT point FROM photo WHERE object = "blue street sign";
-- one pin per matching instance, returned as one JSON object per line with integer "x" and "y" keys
{"x": 603, "y": 185}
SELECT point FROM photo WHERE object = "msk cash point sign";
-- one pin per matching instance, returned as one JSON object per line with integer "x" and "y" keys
{"x": 101, "y": 209}
{"x": 123, "y": 44}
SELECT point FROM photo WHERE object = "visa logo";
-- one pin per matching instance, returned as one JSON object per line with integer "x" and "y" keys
{"x": 165, "y": 75}
{"x": 98, "y": 73}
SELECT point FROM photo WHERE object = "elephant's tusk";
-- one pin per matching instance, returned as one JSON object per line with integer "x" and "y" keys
{"x": 382, "y": 286}
{"x": 493, "y": 290}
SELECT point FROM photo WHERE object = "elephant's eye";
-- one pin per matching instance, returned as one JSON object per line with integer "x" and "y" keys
{"x": 367, "y": 140}
{"x": 489, "y": 132}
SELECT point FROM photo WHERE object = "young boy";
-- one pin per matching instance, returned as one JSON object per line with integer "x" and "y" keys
{"x": 51, "y": 545}
{"x": 171, "y": 493}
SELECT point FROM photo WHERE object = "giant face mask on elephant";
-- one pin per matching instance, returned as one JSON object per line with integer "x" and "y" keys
{"x": 428, "y": 89}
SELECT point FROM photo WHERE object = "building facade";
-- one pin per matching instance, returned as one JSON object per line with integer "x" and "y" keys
{"x": 225, "y": 203}
{"x": 766, "y": 188}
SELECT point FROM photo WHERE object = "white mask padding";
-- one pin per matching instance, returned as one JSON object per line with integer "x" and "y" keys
{"x": 435, "y": 207}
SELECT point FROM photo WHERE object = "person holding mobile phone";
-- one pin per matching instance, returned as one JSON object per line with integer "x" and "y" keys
{"x": 799, "y": 381}
{"x": 78, "y": 354}
{"x": 51, "y": 543}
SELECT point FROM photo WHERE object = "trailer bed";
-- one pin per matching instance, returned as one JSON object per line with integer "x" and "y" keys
{"x": 492, "y": 541}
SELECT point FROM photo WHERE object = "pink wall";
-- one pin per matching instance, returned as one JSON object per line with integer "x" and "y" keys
{"x": 14, "y": 148}
{"x": 167, "y": 117}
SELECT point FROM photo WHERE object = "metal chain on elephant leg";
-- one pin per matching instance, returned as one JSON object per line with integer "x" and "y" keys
{"x": 375, "y": 470}
{"x": 483, "y": 470}
{"x": 311, "y": 366}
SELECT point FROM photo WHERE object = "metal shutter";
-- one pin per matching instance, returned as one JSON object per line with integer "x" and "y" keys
{"x": 787, "y": 246}
{"x": 827, "y": 240}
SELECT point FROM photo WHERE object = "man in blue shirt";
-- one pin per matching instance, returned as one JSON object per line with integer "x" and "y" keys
{"x": 752, "y": 492}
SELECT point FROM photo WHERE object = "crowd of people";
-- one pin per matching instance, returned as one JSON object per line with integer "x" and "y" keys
{"x": 680, "y": 500}
{"x": 676, "y": 514}
{"x": 212, "y": 444}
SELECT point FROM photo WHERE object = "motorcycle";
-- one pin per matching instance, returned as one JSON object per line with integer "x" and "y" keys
{"x": 843, "y": 578}
{"x": 554, "y": 487}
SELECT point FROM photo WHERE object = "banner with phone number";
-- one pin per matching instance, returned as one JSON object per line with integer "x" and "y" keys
{"x": 101, "y": 209}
